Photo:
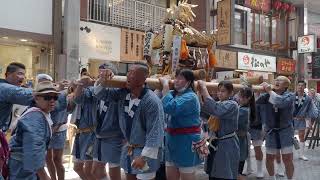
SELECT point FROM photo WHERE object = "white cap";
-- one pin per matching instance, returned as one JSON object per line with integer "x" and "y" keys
{"x": 42, "y": 77}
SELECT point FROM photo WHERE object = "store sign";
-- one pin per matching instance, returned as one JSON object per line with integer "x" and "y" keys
{"x": 226, "y": 59}
{"x": 224, "y": 22}
{"x": 248, "y": 61}
{"x": 103, "y": 42}
{"x": 307, "y": 44}
{"x": 259, "y": 5}
{"x": 286, "y": 66}
{"x": 131, "y": 45}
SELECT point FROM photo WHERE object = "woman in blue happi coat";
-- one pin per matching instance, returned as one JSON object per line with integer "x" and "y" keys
{"x": 29, "y": 144}
{"x": 183, "y": 128}
{"x": 223, "y": 160}
{"x": 246, "y": 114}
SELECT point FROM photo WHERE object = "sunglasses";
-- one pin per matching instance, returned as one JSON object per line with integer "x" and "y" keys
{"x": 49, "y": 98}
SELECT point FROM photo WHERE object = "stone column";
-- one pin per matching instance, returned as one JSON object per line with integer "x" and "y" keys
{"x": 71, "y": 38}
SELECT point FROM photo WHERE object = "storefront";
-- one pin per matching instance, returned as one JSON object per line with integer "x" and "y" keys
{"x": 255, "y": 65}
{"x": 36, "y": 56}
{"x": 26, "y": 36}
{"x": 100, "y": 44}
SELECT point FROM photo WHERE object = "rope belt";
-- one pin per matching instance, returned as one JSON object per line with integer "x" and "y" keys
{"x": 214, "y": 138}
{"x": 131, "y": 147}
{"x": 84, "y": 130}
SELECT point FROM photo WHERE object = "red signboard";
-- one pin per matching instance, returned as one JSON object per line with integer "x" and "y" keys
{"x": 286, "y": 66}
{"x": 259, "y": 5}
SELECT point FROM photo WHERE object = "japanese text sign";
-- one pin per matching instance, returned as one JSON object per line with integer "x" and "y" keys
{"x": 307, "y": 44}
{"x": 286, "y": 66}
{"x": 248, "y": 61}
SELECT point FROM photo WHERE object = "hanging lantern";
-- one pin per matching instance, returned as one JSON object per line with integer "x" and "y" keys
{"x": 277, "y": 5}
{"x": 285, "y": 7}
{"x": 292, "y": 8}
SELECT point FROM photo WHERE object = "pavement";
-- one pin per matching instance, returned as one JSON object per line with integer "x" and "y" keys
{"x": 304, "y": 170}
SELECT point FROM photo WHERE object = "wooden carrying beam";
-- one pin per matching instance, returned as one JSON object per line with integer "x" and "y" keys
{"x": 120, "y": 82}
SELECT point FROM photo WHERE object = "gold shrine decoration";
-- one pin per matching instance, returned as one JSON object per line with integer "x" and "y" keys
{"x": 225, "y": 22}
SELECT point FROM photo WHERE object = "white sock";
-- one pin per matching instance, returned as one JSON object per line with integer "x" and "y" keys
{"x": 259, "y": 165}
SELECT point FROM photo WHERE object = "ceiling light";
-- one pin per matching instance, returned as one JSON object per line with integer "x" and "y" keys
{"x": 5, "y": 37}
{"x": 23, "y": 40}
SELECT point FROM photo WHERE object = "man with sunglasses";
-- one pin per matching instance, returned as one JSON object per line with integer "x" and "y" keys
{"x": 29, "y": 144}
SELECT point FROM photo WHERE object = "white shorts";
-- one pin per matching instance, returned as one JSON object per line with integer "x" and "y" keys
{"x": 285, "y": 150}
{"x": 256, "y": 143}
{"x": 110, "y": 165}
{"x": 184, "y": 170}
{"x": 146, "y": 176}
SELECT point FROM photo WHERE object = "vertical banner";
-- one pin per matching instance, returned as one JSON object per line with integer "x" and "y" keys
{"x": 175, "y": 53}
{"x": 148, "y": 44}
{"x": 225, "y": 22}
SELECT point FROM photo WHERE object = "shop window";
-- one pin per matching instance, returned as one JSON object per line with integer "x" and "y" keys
{"x": 261, "y": 29}
{"x": 241, "y": 31}
{"x": 240, "y": 27}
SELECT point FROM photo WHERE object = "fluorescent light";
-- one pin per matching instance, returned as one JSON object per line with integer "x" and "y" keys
{"x": 5, "y": 37}
{"x": 23, "y": 40}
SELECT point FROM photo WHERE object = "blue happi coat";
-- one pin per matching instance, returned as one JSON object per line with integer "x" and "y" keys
{"x": 59, "y": 118}
{"x": 277, "y": 111}
{"x": 142, "y": 126}
{"x": 243, "y": 127}
{"x": 9, "y": 95}
{"x": 185, "y": 112}
{"x": 84, "y": 142}
{"x": 109, "y": 138}
{"x": 226, "y": 158}
{"x": 28, "y": 146}
{"x": 306, "y": 109}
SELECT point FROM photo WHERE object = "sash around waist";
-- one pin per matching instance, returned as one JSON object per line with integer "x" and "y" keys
{"x": 276, "y": 130}
{"x": 108, "y": 135}
{"x": 185, "y": 130}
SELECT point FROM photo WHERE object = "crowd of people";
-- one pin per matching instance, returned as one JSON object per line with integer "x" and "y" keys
{"x": 150, "y": 133}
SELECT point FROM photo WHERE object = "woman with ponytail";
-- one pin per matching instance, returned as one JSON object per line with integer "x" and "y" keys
{"x": 246, "y": 115}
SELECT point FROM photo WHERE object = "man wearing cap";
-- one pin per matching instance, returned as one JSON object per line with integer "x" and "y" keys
{"x": 141, "y": 119}
{"x": 276, "y": 107}
{"x": 29, "y": 144}
{"x": 304, "y": 108}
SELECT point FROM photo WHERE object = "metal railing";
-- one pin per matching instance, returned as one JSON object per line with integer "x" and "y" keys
{"x": 126, "y": 13}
